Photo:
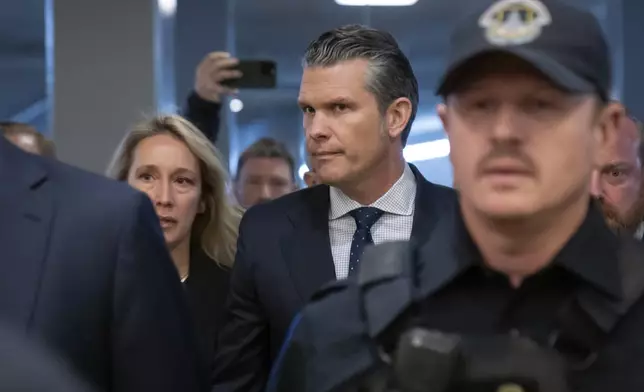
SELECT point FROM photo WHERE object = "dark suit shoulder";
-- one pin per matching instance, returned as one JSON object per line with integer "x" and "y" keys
{"x": 93, "y": 197}
{"x": 274, "y": 210}
{"x": 84, "y": 184}
{"x": 91, "y": 207}
{"x": 446, "y": 199}
{"x": 442, "y": 190}
{"x": 436, "y": 191}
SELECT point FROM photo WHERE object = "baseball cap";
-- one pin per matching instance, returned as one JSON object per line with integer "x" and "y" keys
{"x": 563, "y": 42}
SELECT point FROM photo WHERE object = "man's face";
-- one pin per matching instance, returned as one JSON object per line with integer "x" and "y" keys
{"x": 346, "y": 134}
{"x": 263, "y": 179}
{"x": 617, "y": 181}
{"x": 519, "y": 146}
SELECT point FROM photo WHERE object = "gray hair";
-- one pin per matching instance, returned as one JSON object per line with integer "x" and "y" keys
{"x": 390, "y": 73}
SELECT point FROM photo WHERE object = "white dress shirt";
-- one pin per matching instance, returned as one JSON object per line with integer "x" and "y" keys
{"x": 395, "y": 224}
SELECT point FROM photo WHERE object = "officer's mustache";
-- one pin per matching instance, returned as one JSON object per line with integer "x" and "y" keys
{"x": 506, "y": 151}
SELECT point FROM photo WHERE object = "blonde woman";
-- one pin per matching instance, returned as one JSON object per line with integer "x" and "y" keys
{"x": 170, "y": 160}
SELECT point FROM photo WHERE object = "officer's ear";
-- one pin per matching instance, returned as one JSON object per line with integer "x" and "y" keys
{"x": 441, "y": 111}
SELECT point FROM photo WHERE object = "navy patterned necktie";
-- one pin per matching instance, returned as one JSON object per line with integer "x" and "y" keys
{"x": 365, "y": 218}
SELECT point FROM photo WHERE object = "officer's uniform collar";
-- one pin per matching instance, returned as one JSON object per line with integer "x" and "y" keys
{"x": 591, "y": 254}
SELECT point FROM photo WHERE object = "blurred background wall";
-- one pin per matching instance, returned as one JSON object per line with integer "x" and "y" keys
{"x": 83, "y": 71}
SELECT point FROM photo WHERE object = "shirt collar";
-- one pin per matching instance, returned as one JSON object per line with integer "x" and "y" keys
{"x": 398, "y": 200}
{"x": 591, "y": 253}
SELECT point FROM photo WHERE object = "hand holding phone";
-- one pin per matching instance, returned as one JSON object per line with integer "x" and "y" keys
{"x": 211, "y": 72}
{"x": 256, "y": 74}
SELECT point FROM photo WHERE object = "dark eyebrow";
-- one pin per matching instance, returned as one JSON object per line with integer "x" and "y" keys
{"x": 147, "y": 167}
{"x": 333, "y": 101}
{"x": 186, "y": 172}
{"x": 615, "y": 165}
{"x": 344, "y": 100}
{"x": 180, "y": 170}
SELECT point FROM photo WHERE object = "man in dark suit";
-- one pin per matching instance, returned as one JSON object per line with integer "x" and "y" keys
{"x": 86, "y": 272}
{"x": 359, "y": 96}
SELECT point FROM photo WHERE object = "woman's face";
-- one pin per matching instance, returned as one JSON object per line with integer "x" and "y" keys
{"x": 164, "y": 168}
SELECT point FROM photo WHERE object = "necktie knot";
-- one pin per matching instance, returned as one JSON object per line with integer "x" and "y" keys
{"x": 366, "y": 217}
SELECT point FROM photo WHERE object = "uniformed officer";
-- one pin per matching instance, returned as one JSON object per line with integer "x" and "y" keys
{"x": 526, "y": 108}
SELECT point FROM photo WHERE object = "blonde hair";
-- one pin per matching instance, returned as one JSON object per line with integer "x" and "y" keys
{"x": 217, "y": 227}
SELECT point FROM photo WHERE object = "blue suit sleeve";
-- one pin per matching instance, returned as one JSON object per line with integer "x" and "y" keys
{"x": 154, "y": 347}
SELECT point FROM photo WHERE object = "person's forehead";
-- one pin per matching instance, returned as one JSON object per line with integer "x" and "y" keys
{"x": 340, "y": 80}
{"x": 629, "y": 127}
{"x": 266, "y": 166}
{"x": 165, "y": 150}
{"x": 611, "y": 157}
{"x": 623, "y": 144}
{"x": 344, "y": 69}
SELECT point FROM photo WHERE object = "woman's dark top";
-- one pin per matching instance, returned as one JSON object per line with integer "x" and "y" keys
{"x": 207, "y": 289}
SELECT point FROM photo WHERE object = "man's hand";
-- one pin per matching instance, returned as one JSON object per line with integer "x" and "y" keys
{"x": 213, "y": 69}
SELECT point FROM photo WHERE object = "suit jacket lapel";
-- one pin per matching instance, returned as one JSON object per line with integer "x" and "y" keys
{"x": 425, "y": 213}
{"x": 307, "y": 250}
{"x": 26, "y": 209}
{"x": 446, "y": 253}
